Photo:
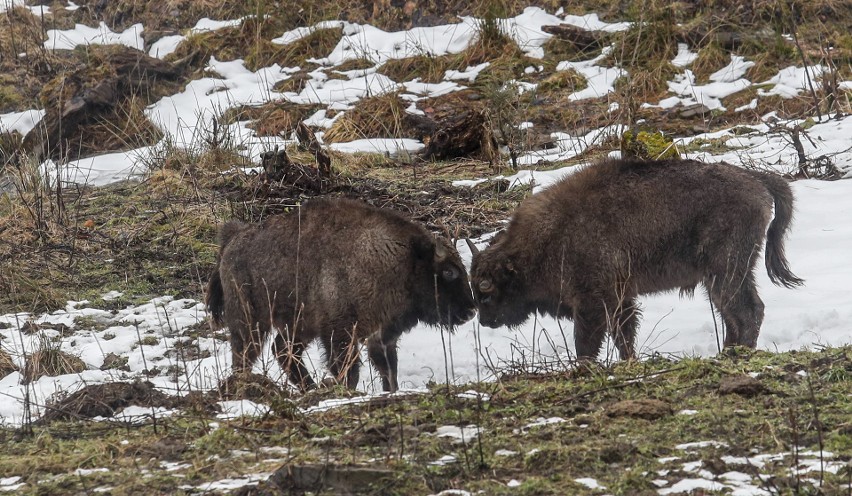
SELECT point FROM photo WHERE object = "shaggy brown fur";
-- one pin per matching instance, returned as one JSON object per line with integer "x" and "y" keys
{"x": 588, "y": 246}
{"x": 339, "y": 271}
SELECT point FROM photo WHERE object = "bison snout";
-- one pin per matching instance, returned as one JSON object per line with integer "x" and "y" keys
{"x": 467, "y": 315}
{"x": 490, "y": 322}
{"x": 461, "y": 316}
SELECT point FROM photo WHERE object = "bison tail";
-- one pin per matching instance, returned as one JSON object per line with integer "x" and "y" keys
{"x": 215, "y": 296}
{"x": 776, "y": 263}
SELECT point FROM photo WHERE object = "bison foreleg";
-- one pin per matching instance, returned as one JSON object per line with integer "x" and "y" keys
{"x": 592, "y": 320}
{"x": 384, "y": 357}
{"x": 590, "y": 325}
{"x": 623, "y": 329}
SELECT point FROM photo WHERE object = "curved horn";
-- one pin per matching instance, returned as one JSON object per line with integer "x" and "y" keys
{"x": 473, "y": 249}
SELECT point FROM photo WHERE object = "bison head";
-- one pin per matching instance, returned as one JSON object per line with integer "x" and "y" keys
{"x": 449, "y": 300}
{"x": 498, "y": 288}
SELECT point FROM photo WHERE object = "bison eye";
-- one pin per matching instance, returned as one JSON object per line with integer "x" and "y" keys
{"x": 486, "y": 286}
{"x": 450, "y": 274}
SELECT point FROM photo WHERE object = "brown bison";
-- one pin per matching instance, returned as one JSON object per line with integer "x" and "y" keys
{"x": 339, "y": 271}
{"x": 588, "y": 246}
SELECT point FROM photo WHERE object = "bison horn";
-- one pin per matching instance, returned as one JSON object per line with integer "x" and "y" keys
{"x": 473, "y": 249}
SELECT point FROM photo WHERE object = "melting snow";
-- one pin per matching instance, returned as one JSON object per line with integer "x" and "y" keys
{"x": 589, "y": 482}
{"x": 101, "y": 35}
{"x": 459, "y": 434}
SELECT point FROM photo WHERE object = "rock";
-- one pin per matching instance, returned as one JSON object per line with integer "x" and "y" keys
{"x": 117, "y": 362}
{"x": 694, "y": 110}
{"x": 648, "y": 409}
{"x": 743, "y": 385}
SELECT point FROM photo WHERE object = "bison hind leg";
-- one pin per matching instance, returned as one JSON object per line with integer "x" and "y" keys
{"x": 289, "y": 352}
{"x": 741, "y": 309}
{"x": 343, "y": 353}
{"x": 246, "y": 343}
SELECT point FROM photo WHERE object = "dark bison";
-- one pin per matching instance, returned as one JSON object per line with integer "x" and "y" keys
{"x": 588, "y": 246}
{"x": 338, "y": 270}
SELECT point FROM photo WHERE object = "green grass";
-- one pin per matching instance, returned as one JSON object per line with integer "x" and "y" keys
{"x": 805, "y": 400}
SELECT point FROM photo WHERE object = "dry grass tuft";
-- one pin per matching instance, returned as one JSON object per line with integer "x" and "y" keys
{"x": 317, "y": 44}
{"x": 49, "y": 360}
{"x": 376, "y": 117}
{"x": 650, "y": 43}
{"x": 7, "y": 365}
{"x": 567, "y": 81}
{"x": 359, "y": 64}
{"x": 428, "y": 68}
{"x": 275, "y": 118}
{"x": 20, "y": 31}
{"x": 711, "y": 58}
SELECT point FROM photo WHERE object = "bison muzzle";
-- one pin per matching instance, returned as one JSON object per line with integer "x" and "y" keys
{"x": 588, "y": 246}
{"x": 340, "y": 271}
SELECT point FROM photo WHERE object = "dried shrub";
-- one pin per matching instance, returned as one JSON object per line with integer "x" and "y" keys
{"x": 276, "y": 118}
{"x": 711, "y": 58}
{"x": 428, "y": 68}
{"x": 317, "y": 44}
{"x": 50, "y": 360}
{"x": 650, "y": 43}
{"x": 376, "y": 117}
{"x": 7, "y": 365}
{"x": 567, "y": 81}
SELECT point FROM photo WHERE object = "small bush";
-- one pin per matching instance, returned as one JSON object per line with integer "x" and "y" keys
{"x": 50, "y": 360}
{"x": 7, "y": 365}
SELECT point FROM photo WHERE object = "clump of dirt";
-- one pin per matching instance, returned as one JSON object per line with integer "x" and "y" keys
{"x": 743, "y": 385}
{"x": 457, "y": 125}
{"x": 99, "y": 105}
{"x": 104, "y": 400}
{"x": 254, "y": 387}
{"x": 113, "y": 361}
{"x": 648, "y": 409}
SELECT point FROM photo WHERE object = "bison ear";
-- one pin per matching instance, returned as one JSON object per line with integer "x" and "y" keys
{"x": 440, "y": 252}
